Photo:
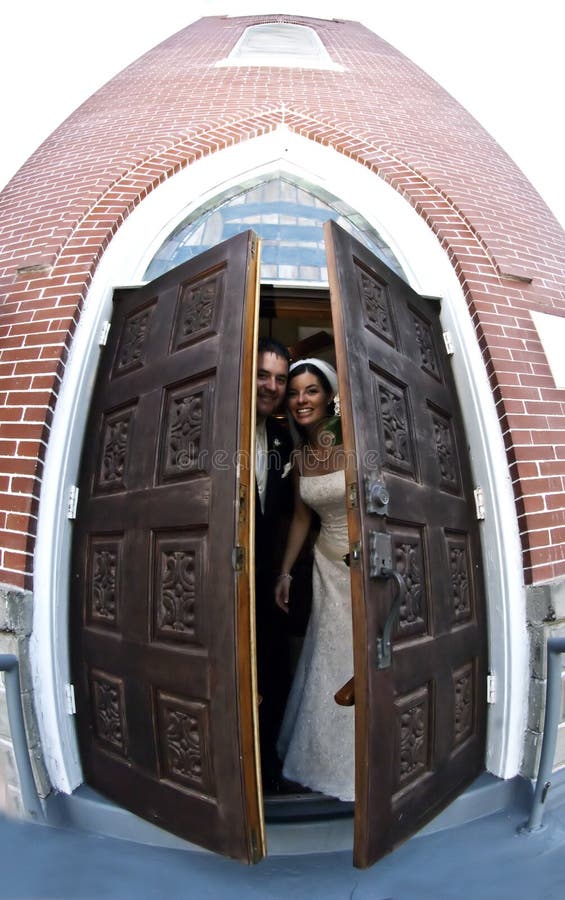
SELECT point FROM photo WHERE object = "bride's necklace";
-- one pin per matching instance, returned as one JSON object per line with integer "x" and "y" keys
{"x": 323, "y": 457}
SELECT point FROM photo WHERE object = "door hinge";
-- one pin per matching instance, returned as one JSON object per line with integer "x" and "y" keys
{"x": 479, "y": 503}
{"x": 70, "y": 704}
{"x": 105, "y": 331}
{"x": 255, "y": 853}
{"x": 72, "y": 501}
{"x": 238, "y": 558}
{"x": 491, "y": 688}
{"x": 242, "y": 518}
{"x": 448, "y": 341}
{"x": 352, "y": 495}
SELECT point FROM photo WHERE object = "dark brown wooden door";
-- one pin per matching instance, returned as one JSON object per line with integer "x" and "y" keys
{"x": 161, "y": 613}
{"x": 420, "y": 721}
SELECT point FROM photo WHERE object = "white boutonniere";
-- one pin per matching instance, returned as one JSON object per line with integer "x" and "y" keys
{"x": 286, "y": 470}
{"x": 276, "y": 442}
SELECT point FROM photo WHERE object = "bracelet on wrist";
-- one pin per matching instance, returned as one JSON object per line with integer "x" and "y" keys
{"x": 285, "y": 575}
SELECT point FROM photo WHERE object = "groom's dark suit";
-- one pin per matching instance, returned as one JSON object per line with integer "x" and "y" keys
{"x": 272, "y": 624}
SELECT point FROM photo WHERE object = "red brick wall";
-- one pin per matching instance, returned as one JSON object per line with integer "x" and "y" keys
{"x": 171, "y": 108}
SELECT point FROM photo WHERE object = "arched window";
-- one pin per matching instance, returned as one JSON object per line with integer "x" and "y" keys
{"x": 287, "y": 216}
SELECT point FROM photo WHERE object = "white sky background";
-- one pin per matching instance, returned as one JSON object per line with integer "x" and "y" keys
{"x": 504, "y": 60}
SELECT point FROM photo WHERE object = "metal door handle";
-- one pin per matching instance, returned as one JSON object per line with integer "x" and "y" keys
{"x": 384, "y": 646}
{"x": 376, "y": 495}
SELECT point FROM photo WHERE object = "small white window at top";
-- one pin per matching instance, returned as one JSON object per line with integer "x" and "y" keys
{"x": 280, "y": 44}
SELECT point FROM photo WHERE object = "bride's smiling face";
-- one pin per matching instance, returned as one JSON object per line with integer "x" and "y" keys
{"x": 307, "y": 400}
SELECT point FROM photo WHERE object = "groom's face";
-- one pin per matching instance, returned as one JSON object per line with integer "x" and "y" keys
{"x": 272, "y": 376}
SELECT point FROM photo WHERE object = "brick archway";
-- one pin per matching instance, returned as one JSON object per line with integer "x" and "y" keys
{"x": 481, "y": 270}
{"x": 123, "y": 262}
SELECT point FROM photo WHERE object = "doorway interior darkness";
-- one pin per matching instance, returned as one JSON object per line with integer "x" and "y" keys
{"x": 300, "y": 318}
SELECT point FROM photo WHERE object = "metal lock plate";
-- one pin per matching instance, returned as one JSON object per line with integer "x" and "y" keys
{"x": 380, "y": 554}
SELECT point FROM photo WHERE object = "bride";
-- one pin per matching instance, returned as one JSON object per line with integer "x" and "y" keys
{"x": 316, "y": 741}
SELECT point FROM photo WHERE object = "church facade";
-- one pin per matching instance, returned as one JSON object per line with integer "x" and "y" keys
{"x": 275, "y": 124}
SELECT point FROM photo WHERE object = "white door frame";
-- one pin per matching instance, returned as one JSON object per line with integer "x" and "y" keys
{"x": 429, "y": 272}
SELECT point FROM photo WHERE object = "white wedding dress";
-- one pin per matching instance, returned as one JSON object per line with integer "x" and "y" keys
{"x": 316, "y": 741}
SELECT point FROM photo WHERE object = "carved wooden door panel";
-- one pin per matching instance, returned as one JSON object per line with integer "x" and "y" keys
{"x": 161, "y": 630}
{"x": 420, "y": 717}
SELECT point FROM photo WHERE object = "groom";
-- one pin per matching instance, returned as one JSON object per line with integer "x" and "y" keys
{"x": 273, "y": 502}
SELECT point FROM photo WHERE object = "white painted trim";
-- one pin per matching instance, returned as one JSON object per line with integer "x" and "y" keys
{"x": 429, "y": 272}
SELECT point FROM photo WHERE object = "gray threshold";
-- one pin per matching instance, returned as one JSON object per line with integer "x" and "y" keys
{"x": 327, "y": 830}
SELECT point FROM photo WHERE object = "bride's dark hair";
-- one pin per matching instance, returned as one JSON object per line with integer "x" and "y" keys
{"x": 300, "y": 369}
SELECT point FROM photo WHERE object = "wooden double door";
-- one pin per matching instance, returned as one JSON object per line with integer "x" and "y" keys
{"x": 162, "y": 593}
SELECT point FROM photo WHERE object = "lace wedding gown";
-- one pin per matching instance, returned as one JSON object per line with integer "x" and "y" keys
{"x": 316, "y": 741}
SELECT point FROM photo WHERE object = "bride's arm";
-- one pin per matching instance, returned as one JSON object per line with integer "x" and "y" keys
{"x": 297, "y": 534}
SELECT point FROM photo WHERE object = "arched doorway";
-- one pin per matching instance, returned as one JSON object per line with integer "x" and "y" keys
{"x": 428, "y": 270}
{"x": 161, "y": 605}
